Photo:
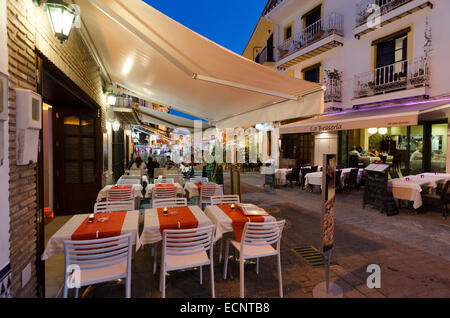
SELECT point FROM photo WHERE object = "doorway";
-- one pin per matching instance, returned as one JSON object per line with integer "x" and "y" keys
{"x": 72, "y": 162}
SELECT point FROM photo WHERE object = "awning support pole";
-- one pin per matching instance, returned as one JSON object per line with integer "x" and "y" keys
{"x": 242, "y": 86}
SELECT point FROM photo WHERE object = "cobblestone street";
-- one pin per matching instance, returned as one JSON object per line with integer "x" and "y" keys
{"x": 411, "y": 250}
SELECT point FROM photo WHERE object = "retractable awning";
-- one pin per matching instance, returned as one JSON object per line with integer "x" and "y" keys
{"x": 150, "y": 54}
{"x": 151, "y": 116}
{"x": 407, "y": 114}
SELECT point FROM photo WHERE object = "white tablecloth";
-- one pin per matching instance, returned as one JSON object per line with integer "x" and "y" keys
{"x": 411, "y": 190}
{"x": 223, "y": 222}
{"x": 192, "y": 189}
{"x": 280, "y": 175}
{"x": 137, "y": 191}
{"x": 56, "y": 243}
{"x": 315, "y": 178}
{"x": 151, "y": 232}
{"x": 151, "y": 187}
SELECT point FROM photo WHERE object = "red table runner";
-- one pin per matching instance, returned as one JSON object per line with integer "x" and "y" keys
{"x": 238, "y": 219}
{"x": 199, "y": 185}
{"x": 122, "y": 186}
{"x": 109, "y": 228}
{"x": 185, "y": 217}
{"x": 164, "y": 185}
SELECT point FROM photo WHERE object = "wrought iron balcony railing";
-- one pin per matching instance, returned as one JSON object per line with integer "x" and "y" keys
{"x": 271, "y": 5}
{"x": 401, "y": 75}
{"x": 265, "y": 55}
{"x": 333, "y": 92}
{"x": 332, "y": 24}
{"x": 364, "y": 8}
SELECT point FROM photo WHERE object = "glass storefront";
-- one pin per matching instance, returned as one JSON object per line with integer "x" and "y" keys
{"x": 410, "y": 150}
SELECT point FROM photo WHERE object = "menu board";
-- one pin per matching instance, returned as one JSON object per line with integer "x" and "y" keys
{"x": 376, "y": 188}
{"x": 328, "y": 203}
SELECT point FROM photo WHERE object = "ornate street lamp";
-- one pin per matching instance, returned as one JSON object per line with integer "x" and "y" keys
{"x": 61, "y": 18}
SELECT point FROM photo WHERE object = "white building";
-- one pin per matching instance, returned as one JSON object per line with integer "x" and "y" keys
{"x": 379, "y": 60}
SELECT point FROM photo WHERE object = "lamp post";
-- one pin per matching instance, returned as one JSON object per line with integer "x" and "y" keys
{"x": 61, "y": 18}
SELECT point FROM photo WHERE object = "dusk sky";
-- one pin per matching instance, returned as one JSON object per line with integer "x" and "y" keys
{"x": 229, "y": 23}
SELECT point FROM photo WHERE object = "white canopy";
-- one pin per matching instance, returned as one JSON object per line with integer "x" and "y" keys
{"x": 150, "y": 54}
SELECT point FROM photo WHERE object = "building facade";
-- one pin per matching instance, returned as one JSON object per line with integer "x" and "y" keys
{"x": 63, "y": 74}
{"x": 367, "y": 54}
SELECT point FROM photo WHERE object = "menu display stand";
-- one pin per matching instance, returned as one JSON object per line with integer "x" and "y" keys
{"x": 375, "y": 192}
{"x": 328, "y": 289}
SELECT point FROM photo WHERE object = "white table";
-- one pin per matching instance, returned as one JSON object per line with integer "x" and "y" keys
{"x": 151, "y": 232}
{"x": 192, "y": 189}
{"x": 136, "y": 189}
{"x": 151, "y": 187}
{"x": 315, "y": 178}
{"x": 411, "y": 190}
{"x": 56, "y": 243}
{"x": 280, "y": 175}
{"x": 223, "y": 222}
{"x": 346, "y": 172}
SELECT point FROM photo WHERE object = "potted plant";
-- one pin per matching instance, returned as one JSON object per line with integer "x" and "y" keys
{"x": 318, "y": 35}
{"x": 371, "y": 84}
{"x": 333, "y": 75}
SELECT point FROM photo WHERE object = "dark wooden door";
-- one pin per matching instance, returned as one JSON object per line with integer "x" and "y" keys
{"x": 118, "y": 154}
{"x": 77, "y": 159}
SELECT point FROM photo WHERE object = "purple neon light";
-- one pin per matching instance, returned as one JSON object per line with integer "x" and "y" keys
{"x": 388, "y": 106}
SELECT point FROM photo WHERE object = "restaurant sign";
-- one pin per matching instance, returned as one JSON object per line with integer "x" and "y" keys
{"x": 338, "y": 124}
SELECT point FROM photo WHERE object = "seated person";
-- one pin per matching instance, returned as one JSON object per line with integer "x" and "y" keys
{"x": 169, "y": 163}
{"x": 138, "y": 164}
{"x": 185, "y": 168}
{"x": 354, "y": 152}
{"x": 360, "y": 150}
{"x": 374, "y": 153}
{"x": 417, "y": 155}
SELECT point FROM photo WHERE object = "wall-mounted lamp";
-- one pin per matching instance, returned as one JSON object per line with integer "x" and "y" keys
{"x": 116, "y": 125}
{"x": 111, "y": 98}
{"x": 61, "y": 17}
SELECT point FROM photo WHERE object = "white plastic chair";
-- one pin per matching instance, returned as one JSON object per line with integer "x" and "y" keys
{"x": 207, "y": 191}
{"x": 119, "y": 194}
{"x": 167, "y": 180}
{"x": 129, "y": 180}
{"x": 164, "y": 192}
{"x": 256, "y": 242}
{"x": 167, "y": 203}
{"x": 137, "y": 172}
{"x": 89, "y": 262}
{"x": 224, "y": 199}
{"x": 182, "y": 249}
{"x": 114, "y": 206}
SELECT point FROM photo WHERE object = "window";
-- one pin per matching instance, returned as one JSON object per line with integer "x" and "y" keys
{"x": 312, "y": 16}
{"x": 312, "y": 73}
{"x": 288, "y": 32}
{"x": 392, "y": 51}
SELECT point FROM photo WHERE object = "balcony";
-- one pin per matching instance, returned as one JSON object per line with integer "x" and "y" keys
{"x": 271, "y": 5}
{"x": 333, "y": 92}
{"x": 265, "y": 57}
{"x": 400, "y": 76}
{"x": 317, "y": 38}
{"x": 390, "y": 11}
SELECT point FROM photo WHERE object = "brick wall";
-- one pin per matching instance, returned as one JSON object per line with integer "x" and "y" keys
{"x": 28, "y": 30}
